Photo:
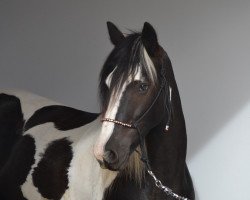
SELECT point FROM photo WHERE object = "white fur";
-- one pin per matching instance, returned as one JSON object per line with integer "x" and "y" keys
{"x": 92, "y": 178}
{"x": 86, "y": 179}
{"x": 109, "y": 78}
{"x": 43, "y": 135}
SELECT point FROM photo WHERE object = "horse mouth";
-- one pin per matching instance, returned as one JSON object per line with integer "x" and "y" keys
{"x": 119, "y": 166}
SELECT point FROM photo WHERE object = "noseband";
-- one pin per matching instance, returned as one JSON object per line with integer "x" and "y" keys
{"x": 117, "y": 122}
{"x": 135, "y": 125}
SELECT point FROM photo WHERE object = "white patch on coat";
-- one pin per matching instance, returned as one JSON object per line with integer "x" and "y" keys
{"x": 43, "y": 135}
{"x": 113, "y": 106}
{"x": 86, "y": 179}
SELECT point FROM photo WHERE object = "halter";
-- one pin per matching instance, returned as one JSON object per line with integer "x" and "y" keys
{"x": 135, "y": 125}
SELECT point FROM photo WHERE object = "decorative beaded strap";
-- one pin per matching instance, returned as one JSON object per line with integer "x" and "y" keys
{"x": 117, "y": 122}
{"x": 124, "y": 124}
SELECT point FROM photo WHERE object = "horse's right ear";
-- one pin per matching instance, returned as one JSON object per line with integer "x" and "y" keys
{"x": 149, "y": 39}
{"x": 115, "y": 34}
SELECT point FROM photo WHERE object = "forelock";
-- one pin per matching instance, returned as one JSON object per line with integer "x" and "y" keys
{"x": 125, "y": 62}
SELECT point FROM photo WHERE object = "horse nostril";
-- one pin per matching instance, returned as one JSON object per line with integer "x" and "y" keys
{"x": 110, "y": 157}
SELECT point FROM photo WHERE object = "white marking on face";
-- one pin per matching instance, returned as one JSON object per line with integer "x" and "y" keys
{"x": 114, "y": 104}
{"x": 107, "y": 127}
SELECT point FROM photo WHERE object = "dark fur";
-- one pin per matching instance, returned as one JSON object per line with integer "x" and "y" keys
{"x": 15, "y": 171}
{"x": 11, "y": 125}
{"x": 50, "y": 175}
{"x": 16, "y": 162}
{"x": 64, "y": 118}
{"x": 116, "y": 36}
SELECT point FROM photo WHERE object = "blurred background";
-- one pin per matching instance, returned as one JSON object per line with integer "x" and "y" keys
{"x": 57, "y": 48}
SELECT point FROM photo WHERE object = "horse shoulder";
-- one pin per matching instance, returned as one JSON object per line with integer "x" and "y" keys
{"x": 47, "y": 148}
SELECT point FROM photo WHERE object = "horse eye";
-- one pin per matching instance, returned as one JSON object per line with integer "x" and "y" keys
{"x": 143, "y": 87}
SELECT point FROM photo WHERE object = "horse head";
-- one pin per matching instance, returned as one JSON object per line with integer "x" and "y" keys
{"x": 135, "y": 95}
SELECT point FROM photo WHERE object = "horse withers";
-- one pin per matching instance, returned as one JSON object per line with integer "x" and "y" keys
{"x": 50, "y": 151}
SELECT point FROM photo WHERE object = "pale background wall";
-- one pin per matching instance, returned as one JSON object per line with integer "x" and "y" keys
{"x": 56, "y": 49}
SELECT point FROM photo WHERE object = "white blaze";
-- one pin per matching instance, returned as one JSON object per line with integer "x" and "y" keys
{"x": 114, "y": 103}
{"x": 107, "y": 127}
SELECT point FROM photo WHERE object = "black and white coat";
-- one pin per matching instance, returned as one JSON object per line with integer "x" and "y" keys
{"x": 47, "y": 150}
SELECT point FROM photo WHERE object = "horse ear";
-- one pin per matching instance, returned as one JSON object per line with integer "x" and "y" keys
{"x": 115, "y": 34}
{"x": 149, "y": 39}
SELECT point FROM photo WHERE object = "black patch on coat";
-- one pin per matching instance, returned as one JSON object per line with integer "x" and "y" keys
{"x": 17, "y": 168}
{"x": 50, "y": 175}
{"x": 64, "y": 118}
{"x": 11, "y": 125}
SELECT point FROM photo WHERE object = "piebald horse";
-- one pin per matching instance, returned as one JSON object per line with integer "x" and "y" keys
{"x": 135, "y": 149}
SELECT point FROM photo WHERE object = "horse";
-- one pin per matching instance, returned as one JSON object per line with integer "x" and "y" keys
{"x": 135, "y": 148}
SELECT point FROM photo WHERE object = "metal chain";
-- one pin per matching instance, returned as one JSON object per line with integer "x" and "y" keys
{"x": 164, "y": 188}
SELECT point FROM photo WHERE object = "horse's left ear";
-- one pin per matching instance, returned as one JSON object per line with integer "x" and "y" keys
{"x": 149, "y": 39}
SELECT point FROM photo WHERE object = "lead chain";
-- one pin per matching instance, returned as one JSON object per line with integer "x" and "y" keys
{"x": 165, "y": 189}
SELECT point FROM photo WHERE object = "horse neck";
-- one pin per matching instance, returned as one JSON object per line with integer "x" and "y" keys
{"x": 167, "y": 150}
